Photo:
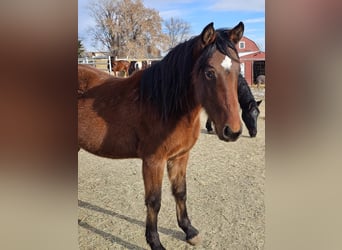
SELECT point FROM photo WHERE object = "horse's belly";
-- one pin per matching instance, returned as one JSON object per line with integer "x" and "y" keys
{"x": 92, "y": 129}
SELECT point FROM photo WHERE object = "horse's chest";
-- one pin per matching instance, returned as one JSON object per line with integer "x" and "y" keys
{"x": 183, "y": 139}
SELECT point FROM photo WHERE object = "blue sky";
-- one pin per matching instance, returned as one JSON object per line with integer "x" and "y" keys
{"x": 224, "y": 13}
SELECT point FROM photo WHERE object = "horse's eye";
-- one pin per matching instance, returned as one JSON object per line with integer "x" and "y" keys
{"x": 210, "y": 74}
{"x": 255, "y": 112}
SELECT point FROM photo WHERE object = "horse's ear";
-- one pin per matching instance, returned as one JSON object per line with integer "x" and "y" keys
{"x": 208, "y": 34}
{"x": 250, "y": 105}
{"x": 258, "y": 102}
{"x": 236, "y": 33}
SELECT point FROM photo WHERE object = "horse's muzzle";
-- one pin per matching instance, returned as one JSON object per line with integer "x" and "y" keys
{"x": 252, "y": 132}
{"x": 229, "y": 135}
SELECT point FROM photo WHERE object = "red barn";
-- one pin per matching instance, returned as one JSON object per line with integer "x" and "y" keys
{"x": 252, "y": 60}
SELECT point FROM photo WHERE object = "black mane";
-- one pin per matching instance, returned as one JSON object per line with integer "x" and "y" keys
{"x": 166, "y": 83}
{"x": 245, "y": 94}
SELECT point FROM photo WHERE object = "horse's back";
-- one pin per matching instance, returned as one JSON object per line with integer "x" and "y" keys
{"x": 89, "y": 77}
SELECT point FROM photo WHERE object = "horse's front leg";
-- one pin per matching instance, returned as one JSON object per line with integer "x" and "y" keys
{"x": 208, "y": 125}
{"x": 177, "y": 175}
{"x": 153, "y": 171}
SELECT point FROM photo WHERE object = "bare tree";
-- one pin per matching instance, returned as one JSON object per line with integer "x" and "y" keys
{"x": 260, "y": 46}
{"x": 126, "y": 28}
{"x": 178, "y": 30}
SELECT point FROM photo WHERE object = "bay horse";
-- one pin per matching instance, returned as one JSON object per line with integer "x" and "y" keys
{"x": 249, "y": 106}
{"x": 154, "y": 115}
{"x": 120, "y": 66}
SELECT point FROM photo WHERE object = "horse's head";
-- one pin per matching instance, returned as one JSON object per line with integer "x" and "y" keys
{"x": 250, "y": 117}
{"x": 215, "y": 78}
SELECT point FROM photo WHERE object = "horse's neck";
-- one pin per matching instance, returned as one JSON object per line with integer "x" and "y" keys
{"x": 246, "y": 98}
{"x": 251, "y": 105}
{"x": 194, "y": 114}
{"x": 193, "y": 107}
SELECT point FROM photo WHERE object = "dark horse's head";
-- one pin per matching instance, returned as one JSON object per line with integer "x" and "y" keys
{"x": 201, "y": 71}
{"x": 216, "y": 79}
{"x": 249, "y": 106}
{"x": 250, "y": 117}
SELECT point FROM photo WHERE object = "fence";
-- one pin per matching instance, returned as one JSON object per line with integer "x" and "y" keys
{"x": 105, "y": 62}
{"x": 102, "y": 63}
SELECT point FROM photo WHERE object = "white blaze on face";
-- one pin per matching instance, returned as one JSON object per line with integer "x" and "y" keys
{"x": 226, "y": 63}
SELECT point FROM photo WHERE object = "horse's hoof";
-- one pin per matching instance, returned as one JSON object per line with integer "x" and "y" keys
{"x": 195, "y": 240}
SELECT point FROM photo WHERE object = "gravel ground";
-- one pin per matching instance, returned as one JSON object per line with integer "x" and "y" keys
{"x": 225, "y": 196}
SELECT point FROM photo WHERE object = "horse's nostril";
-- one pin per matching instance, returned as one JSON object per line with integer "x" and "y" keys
{"x": 229, "y": 135}
{"x": 226, "y": 132}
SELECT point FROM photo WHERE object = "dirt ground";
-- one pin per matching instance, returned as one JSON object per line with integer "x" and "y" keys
{"x": 225, "y": 182}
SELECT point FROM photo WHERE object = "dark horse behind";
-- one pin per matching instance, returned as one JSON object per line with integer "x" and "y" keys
{"x": 154, "y": 115}
{"x": 250, "y": 108}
